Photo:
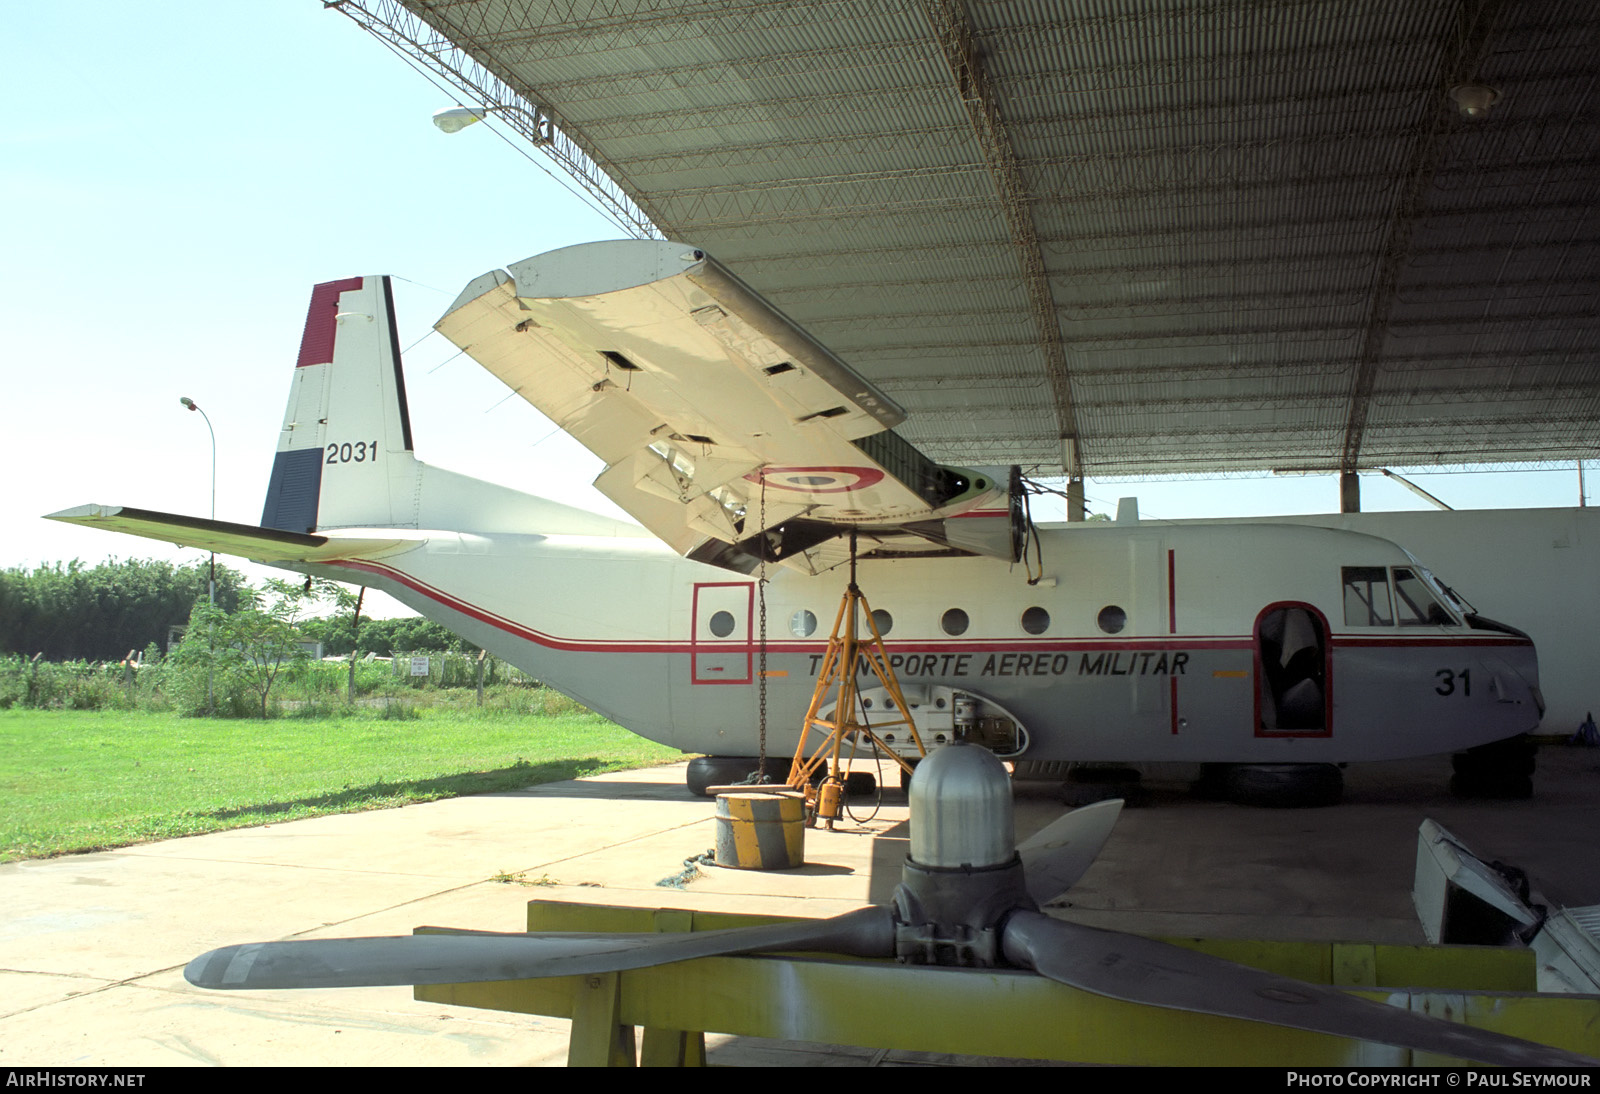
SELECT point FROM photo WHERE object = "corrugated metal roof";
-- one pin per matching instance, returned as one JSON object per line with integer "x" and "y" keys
{"x": 1194, "y": 237}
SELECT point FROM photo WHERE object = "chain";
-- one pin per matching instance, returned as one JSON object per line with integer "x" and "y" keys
{"x": 691, "y": 869}
{"x": 761, "y": 594}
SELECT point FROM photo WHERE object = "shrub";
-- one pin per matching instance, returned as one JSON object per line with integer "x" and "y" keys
{"x": 64, "y": 685}
{"x": 229, "y": 662}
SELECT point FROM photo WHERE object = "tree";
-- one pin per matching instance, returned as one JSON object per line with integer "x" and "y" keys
{"x": 416, "y": 633}
{"x": 346, "y": 619}
{"x": 98, "y": 613}
{"x": 226, "y": 656}
{"x": 384, "y": 637}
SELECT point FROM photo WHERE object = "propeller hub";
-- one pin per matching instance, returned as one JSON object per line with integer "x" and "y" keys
{"x": 963, "y": 874}
{"x": 961, "y": 813}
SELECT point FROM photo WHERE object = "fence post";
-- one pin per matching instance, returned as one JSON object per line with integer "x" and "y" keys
{"x": 355, "y": 641}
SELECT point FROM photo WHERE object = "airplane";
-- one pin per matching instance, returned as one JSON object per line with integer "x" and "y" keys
{"x": 752, "y": 457}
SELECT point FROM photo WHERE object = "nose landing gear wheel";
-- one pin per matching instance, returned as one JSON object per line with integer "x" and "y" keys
{"x": 1503, "y": 770}
{"x": 1273, "y": 786}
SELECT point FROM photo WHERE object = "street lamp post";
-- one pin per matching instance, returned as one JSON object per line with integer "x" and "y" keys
{"x": 211, "y": 583}
{"x": 453, "y": 119}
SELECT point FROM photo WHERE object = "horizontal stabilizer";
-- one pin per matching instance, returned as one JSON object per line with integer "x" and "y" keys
{"x": 247, "y": 540}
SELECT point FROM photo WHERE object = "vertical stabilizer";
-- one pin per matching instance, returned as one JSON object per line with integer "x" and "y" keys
{"x": 344, "y": 456}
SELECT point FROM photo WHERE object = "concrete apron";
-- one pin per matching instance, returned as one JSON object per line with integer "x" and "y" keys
{"x": 92, "y": 947}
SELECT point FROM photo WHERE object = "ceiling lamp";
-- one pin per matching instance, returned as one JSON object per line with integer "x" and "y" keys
{"x": 1474, "y": 100}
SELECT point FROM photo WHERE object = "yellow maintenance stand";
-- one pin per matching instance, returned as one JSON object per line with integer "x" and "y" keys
{"x": 846, "y": 656}
{"x": 1000, "y": 1012}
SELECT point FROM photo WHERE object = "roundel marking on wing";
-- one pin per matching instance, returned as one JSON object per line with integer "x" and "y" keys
{"x": 817, "y": 480}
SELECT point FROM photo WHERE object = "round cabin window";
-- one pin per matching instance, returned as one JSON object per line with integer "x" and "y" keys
{"x": 721, "y": 624}
{"x": 1112, "y": 619}
{"x": 954, "y": 622}
{"x": 802, "y": 624}
{"x": 1035, "y": 620}
{"x": 883, "y": 621}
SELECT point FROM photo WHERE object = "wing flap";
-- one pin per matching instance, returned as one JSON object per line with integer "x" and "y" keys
{"x": 690, "y": 363}
{"x": 709, "y": 407}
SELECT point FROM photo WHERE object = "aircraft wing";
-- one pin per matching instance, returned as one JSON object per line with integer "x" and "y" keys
{"x": 726, "y": 430}
{"x": 247, "y": 540}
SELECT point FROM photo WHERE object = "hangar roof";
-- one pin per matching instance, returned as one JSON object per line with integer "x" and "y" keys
{"x": 1110, "y": 236}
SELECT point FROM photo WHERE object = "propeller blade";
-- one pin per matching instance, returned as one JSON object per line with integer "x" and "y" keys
{"x": 1141, "y": 970}
{"x": 464, "y": 958}
{"x": 1056, "y": 856}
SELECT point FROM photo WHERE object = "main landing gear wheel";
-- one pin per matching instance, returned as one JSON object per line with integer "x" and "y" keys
{"x": 708, "y": 771}
{"x": 860, "y": 784}
{"x": 1090, "y": 783}
{"x": 1273, "y": 786}
{"x": 1503, "y": 769}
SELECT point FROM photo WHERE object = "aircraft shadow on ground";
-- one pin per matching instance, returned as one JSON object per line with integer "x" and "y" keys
{"x": 516, "y": 778}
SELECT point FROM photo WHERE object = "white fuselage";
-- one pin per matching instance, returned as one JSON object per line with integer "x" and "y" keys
{"x": 671, "y": 649}
{"x": 1138, "y": 642}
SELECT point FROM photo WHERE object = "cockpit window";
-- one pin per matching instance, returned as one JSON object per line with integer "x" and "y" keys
{"x": 1444, "y": 593}
{"x": 1415, "y": 604}
{"x": 1417, "y": 600}
{"x": 1366, "y": 597}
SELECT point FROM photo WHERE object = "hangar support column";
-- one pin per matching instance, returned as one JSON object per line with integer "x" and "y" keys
{"x": 1349, "y": 492}
{"x": 1075, "y": 510}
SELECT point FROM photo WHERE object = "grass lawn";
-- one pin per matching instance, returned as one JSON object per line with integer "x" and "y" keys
{"x": 85, "y": 781}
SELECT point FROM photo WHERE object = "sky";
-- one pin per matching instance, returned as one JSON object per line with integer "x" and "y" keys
{"x": 177, "y": 176}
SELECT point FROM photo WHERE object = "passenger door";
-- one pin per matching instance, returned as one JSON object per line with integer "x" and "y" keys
{"x": 1294, "y": 681}
{"x": 720, "y": 621}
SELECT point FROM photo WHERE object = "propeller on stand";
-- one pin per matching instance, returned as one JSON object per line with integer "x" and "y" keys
{"x": 968, "y": 897}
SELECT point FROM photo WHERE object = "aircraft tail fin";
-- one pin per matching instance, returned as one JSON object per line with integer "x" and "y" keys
{"x": 344, "y": 457}
{"x": 345, "y": 483}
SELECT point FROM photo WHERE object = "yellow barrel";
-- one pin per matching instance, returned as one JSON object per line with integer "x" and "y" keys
{"x": 757, "y": 831}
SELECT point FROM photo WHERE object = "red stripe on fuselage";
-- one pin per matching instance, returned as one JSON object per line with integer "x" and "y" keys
{"x": 1033, "y": 645}
{"x": 1432, "y": 640}
{"x": 509, "y": 626}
